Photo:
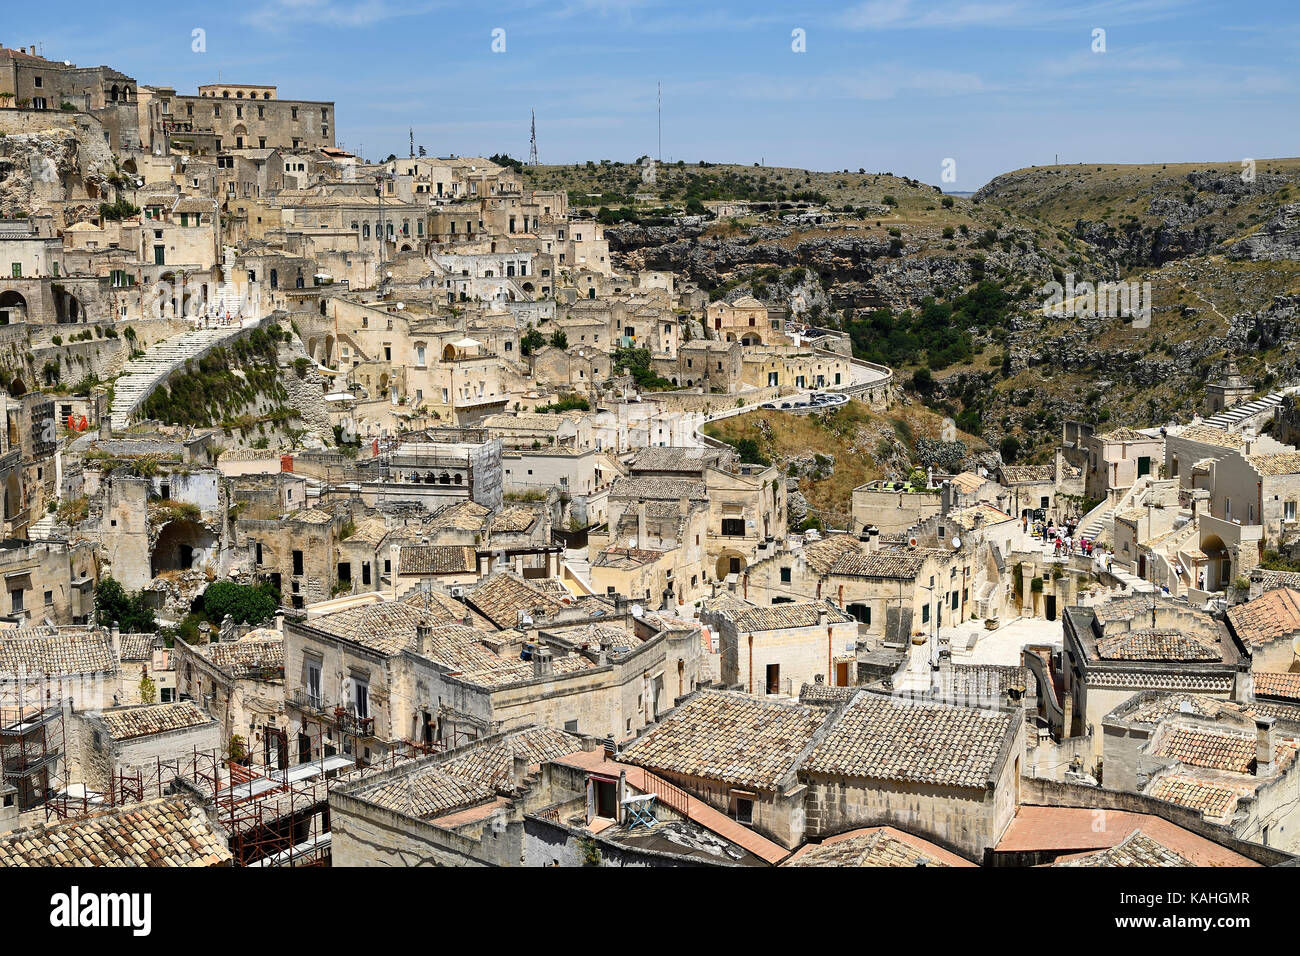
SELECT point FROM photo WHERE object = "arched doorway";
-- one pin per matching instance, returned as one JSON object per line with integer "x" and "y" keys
{"x": 729, "y": 562}
{"x": 13, "y": 308}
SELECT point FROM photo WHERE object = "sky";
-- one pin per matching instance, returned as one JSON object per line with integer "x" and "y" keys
{"x": 898, "y": 86}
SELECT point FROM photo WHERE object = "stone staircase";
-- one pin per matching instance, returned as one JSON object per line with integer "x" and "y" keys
{"x": 142, "y": 375}
{"x": 1230, "y": 417}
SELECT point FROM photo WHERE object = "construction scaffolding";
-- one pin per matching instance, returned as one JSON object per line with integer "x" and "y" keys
{"x": 273, "y": 814}
{"x": 32, "y": 751}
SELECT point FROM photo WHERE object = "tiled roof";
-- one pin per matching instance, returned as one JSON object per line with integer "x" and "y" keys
{"x": 513, "y": 520}
{"x": 1137, "y": 849}
{"x": 146, "y": 720}
{"x": 1124, "y": 434}
{"x": 137, "y": 647}
{"x": 1277, "y": 684}
{"x": 1020, "y": 474}
{"x": 471, "y": 777}
{"x": 1167, "y": 705}
{"x": 671, "y": 458}
{"x": 1210, "y": 435}
{"x": 1283, "y": 463}
{"x": 502, "y": 596}
{"x": 876, "y": 847}
{"x": 888, "y": 738}
{"x": 981, "y": 514}
{"x": 780, "y": 616}
{"x": 1215, "y": 749}
{"x": 1276, "y": 579}
{"x": 823, "y": 695}
{"x": 902, "y": 564}
{"x": 436, "y": 559}
{"x": 967, "y": 482}
{"x": 1157, "y": 645}
{"x": 729, "y": 737}
{"x": 63, "y": 652}
{"x": 493, "y": 764}
{"x": 387, "y": 627}
{"x": 821, "y": 555}
{"x": 1273, "y": 616}
{"x": 462, "y": 516}
{"x": 1216, "y": 800}
{"x": 166, "y": 832}
{"x": 258, "y": 656}
{"x": 664, "y": 489}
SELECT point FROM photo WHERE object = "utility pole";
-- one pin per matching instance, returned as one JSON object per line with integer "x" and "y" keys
{"x": 661, "y": 123}
{"x": 411, "y": 148}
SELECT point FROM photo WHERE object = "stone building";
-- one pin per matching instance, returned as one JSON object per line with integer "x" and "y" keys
{"x": 775, "y": 649}
{"x": 1134, "y": 643}
{"x": 237, "y": 116}
{"x": 121, "y": 742}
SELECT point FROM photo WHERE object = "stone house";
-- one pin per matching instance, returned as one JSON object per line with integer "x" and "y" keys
{"x": 1129, "y": 644}
{"x": 775, "y": 649}
{"x": 121, "y": 742}
{"x": 947, "y": 772}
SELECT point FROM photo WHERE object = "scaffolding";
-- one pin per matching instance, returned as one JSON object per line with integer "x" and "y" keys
{"x": 273, "y": 813}
{"x": 32, "y": 751}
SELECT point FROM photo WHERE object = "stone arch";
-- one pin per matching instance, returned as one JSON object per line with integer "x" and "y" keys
{"x": 179, "y": 546}
{"x": 13, "y": 307}
{"x": 729, "y": 562}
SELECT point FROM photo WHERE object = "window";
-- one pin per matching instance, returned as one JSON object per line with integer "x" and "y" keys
{"x": 166, "y": 695}
{"x": 49, "y": 598}
{"x": 1288, "y": 511}
{"x": 925, "y": 613}
{"x": 297, "y": 562}
{"x": 361, "y": 697}
{"x": 16, "y": 600}
{"x": 313, "y": 682}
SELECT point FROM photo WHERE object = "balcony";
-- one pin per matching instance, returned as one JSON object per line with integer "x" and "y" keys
{"x": 340, "y": 715}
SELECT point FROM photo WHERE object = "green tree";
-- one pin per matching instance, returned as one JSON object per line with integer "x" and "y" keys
{"x": 113, "y": 605}
{"x": 245, "y": 603}
{"x": 148, "y": 690}
{"x": 1010, "y": 448}
{"x": 559, "y": 340}
{"x": 531, "y": 340}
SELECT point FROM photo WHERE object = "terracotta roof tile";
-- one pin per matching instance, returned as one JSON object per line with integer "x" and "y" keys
{"x": 729, "y": 737}
{"x": 889, "y": 738}
{"x": 169, "y": 831}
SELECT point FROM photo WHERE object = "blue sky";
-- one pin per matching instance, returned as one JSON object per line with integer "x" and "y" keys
{"x": 890, "y": 85}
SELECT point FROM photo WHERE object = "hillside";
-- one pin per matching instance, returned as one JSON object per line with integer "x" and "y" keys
{"x": 831, "y": 453}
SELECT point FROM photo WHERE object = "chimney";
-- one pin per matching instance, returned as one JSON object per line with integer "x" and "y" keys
{"x": 519, "y": 770}
{"x": 1265, "y": 746}
{"x": 543, "y": 662}
{"x": 823, "y": 616}
{"x": 115, "y": 637}
{"x": 640, "y": 523}
{"x": 424, "y": 636}
{"x": 873, "y": 539}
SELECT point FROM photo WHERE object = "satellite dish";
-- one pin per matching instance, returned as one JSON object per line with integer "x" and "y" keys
{"x": 956, "y": 541}
{"x": 400, "y": 305}
{"x": 637, "y": 611}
